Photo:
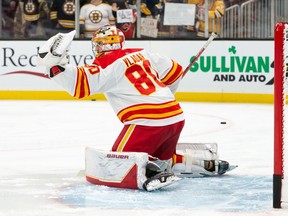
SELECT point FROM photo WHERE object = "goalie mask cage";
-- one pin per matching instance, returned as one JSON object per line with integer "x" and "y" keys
{"x": 280, "y": 193}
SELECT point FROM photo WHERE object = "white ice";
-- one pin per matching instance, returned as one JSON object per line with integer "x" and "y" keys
{"x": 42, "y": 160}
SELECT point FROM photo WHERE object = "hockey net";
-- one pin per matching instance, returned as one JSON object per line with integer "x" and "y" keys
{"x": 280, "y": 176}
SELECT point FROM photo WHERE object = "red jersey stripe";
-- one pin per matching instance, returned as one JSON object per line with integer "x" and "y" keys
{"x": 150, "y": 111}
{"x": 175, "y": 72}
{"x": 82, "y": 86}
{"x": 125, "y": 138}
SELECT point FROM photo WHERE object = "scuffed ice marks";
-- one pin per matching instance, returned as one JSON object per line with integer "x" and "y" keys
{"x": 225, "y": 193}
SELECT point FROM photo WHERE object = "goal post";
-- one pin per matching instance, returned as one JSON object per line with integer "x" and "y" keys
{"x": 280, "y": 113}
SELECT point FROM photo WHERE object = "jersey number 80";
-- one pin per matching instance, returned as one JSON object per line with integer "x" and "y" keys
{"x": 142, "y": 77}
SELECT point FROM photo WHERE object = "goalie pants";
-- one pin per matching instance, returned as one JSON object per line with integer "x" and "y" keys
{"x": 157, "y": 141}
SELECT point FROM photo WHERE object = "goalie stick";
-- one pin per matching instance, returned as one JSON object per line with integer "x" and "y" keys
{"x": 210, "y": 39}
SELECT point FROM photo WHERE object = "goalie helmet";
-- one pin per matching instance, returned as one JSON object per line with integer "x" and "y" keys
{"x": 107, "y": 38}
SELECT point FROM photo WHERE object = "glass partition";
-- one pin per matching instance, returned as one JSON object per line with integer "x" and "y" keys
{"x": 143, "y": 19}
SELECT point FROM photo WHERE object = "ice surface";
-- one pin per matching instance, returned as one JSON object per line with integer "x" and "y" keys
{"x": 42, "y": 147}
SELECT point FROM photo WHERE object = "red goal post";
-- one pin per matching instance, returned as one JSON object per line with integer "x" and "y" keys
{"x": 280, "y": 114}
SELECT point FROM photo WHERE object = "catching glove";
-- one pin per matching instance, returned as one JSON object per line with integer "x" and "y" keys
{"x": 55, "y": 50}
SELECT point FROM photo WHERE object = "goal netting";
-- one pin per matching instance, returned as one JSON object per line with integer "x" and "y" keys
{"x": 280, "y": 176}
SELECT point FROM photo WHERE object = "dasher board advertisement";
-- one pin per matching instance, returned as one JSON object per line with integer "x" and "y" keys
{"x": 224, "y": 67}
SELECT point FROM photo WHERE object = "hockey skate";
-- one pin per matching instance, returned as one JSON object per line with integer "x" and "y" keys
{"x": 156, "y": 178}
{"x": 160, "y": 180}
{"x": 218, "y": 166}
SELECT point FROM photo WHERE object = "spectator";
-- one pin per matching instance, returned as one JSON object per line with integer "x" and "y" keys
{"x": 148, "y": 7}
{"x": 128, "y": 28}
{"x": 29, "y": 18}
{"x": 8, "y": 14}
{"x": 94, "y": 15}
{"x": 62, "y": 15}
{"x": 216, "y": 11}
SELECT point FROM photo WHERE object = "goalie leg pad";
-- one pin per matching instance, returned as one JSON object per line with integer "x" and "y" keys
{"x": 197, "y": 157}
{"x": 200, "y": 159}
{"x": 115, "y": 169}
{"x": 206, "y": 151}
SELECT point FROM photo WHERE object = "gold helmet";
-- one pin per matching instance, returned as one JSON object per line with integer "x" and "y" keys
{"x": 107, "y": 38}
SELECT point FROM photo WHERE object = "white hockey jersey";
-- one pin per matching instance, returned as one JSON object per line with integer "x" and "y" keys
{"x": 139, "y": 85}
{"x": 94, "y": 16}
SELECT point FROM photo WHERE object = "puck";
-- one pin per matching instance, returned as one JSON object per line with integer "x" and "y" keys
{"x": 222, "y": 122}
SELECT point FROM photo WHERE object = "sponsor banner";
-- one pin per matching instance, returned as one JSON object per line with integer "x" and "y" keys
{"x": 224, "y": 67}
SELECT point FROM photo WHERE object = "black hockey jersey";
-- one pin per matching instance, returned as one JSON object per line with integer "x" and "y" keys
{"x": 63, "y": 12}
{"x": 34, "y": 9}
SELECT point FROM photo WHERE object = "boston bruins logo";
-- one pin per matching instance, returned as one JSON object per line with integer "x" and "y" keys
{"x": 30, "y": 7}
{"x": 69, "y": 7}
{"x": 95, "y": 16}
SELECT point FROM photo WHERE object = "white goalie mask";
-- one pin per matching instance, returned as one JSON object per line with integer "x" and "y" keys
{"x": 107, "y": 38}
